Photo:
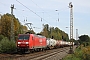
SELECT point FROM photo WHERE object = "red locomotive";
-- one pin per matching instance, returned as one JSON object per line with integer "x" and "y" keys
{"x": 30, "y": 42}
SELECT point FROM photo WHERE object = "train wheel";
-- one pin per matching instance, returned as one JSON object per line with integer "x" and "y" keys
{"x": 22, "y": 51}
{"x": 31, "y": 51}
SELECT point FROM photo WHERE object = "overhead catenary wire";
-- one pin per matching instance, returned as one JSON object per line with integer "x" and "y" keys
{"x": 42, "y": 9}
{"x": 28, "y": 8}
{"x": 37, "y": 5}
{"x": 49, "y": 14}
{"x": 31, "y": 11}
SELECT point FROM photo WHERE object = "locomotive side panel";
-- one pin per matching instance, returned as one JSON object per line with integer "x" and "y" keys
{"x": 31, "y": 45}
{"x": 39, "y": 42}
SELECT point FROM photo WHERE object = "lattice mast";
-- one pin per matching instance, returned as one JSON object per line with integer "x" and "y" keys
{"x": 71, "y": 26}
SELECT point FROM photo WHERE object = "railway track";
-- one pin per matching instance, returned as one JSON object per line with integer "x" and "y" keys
{"x": 45, "y": 55}
{"x": 41, "y": 55}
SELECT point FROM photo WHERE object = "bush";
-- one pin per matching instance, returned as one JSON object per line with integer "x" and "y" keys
{"x": 7, "y": 46}
{"x": 78, "y": 53}
{"x": 81, "y": 53}
{"x": 1, "y": 37}
{"x": 71, "y": 57}
{"x": 86, "y": 52}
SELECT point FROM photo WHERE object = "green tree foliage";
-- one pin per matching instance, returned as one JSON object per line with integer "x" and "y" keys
{"x": 80, "y": 53}
{"x": 86, "y": 53}
{"x": 45, "y": 30}
{"x": 1, "y": 37}
{"x": 7, "y": 46}
{"x": 84, "y": 39}
{"x": 55, "y": 32}
{"x": 5, "y": 25}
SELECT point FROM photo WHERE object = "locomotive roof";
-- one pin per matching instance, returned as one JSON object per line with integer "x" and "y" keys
{"x": 24, "y": 34}
{"x": 34, "y": 35}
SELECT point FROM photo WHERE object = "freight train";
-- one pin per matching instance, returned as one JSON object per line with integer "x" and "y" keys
{"x": 33, "y": 42}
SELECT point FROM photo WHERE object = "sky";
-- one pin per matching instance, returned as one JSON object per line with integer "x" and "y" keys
{"x": 49, "y": 11}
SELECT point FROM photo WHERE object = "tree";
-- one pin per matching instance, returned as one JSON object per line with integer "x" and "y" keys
{"x": 45, "y": 31}
{"x": 5, "y": 25}
{"x": 31, "y": 31}
{"x": 55, "y": 32}
{"x": 84, "y": 39}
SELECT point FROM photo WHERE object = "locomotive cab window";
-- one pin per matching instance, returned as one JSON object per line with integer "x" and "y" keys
{"x": 23, "y": 37}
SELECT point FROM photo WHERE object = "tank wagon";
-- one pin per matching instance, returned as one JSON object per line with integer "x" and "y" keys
{"x": 51, "y": 43}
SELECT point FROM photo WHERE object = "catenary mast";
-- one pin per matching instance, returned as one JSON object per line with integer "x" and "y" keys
{"x": 71, "y": 27}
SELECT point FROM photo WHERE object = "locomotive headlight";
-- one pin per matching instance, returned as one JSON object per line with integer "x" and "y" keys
{"x": 18, "y": 45}
{"x": 19, "y": 42}
{"x": 27, "y": 43}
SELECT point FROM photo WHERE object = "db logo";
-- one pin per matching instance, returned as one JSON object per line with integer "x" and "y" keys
{"x": 23, "y": 42}
{"x": 40, "y": 40}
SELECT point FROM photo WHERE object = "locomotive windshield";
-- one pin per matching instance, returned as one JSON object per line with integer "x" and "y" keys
{"x": 23, "y": 37}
